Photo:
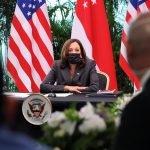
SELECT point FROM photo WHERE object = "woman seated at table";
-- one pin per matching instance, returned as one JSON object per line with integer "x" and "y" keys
{"x": 73, "y": 73}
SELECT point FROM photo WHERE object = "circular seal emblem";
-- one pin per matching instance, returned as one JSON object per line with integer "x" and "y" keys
{"x": 37, "y": 109}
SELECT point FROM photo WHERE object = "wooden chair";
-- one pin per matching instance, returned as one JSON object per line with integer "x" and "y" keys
{"x": 103, "y": 80}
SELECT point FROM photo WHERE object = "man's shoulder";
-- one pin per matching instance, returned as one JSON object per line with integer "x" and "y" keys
{"x": 138, "y": 103}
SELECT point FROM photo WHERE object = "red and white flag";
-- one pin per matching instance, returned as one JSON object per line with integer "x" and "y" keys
{"x": 90, "y": 26}
{"x": 134, "y": 7}
{"x": 30, "y": 53}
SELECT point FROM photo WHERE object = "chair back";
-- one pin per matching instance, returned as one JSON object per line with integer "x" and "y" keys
{"x": 103, "y": 80}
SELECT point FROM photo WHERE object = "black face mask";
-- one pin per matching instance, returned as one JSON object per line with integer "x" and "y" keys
{"x": 74, "y": 58}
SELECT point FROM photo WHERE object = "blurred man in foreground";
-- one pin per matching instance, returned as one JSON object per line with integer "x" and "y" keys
{"x": 134, "y": 130}
{"x": 12, "y": 140}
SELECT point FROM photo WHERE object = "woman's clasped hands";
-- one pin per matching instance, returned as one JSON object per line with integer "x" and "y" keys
{"x": 77, "y": 89}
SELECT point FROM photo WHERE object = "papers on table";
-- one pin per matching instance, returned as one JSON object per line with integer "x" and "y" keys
{"x": 25, "y": 95}
{"x": 63, "y": 94}
{"x": 106, "y": 91}
{"x": 57, "y": 94}
{"x": 19, "y": 95}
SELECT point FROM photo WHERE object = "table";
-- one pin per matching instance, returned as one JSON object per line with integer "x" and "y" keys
{"x": 79, "y": 100}
{"x": 60, "y": 103}
{"x": 82, "y": 98}
{"x": 74, "y": 97}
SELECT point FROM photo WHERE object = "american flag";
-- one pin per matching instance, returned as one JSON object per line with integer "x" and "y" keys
{"x": 134, "y": 7}
{"x": 30, "y": 52}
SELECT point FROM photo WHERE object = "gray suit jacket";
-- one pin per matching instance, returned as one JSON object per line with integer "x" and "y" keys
{"x": 86, "y": 76}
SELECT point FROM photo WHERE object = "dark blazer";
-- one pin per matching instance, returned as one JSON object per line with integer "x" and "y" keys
{"x": 134, "y": 130}
{"x": 86, "y": 76}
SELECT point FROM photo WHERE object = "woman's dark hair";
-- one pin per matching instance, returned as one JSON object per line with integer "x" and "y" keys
{"x": 64, "y": 53}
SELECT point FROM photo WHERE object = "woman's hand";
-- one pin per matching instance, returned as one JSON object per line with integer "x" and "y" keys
{"x": 77, "y": 89}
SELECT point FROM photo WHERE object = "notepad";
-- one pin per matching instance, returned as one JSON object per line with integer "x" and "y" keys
{"x": 106, "y": 94}
{"x": 106, "y": 91}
